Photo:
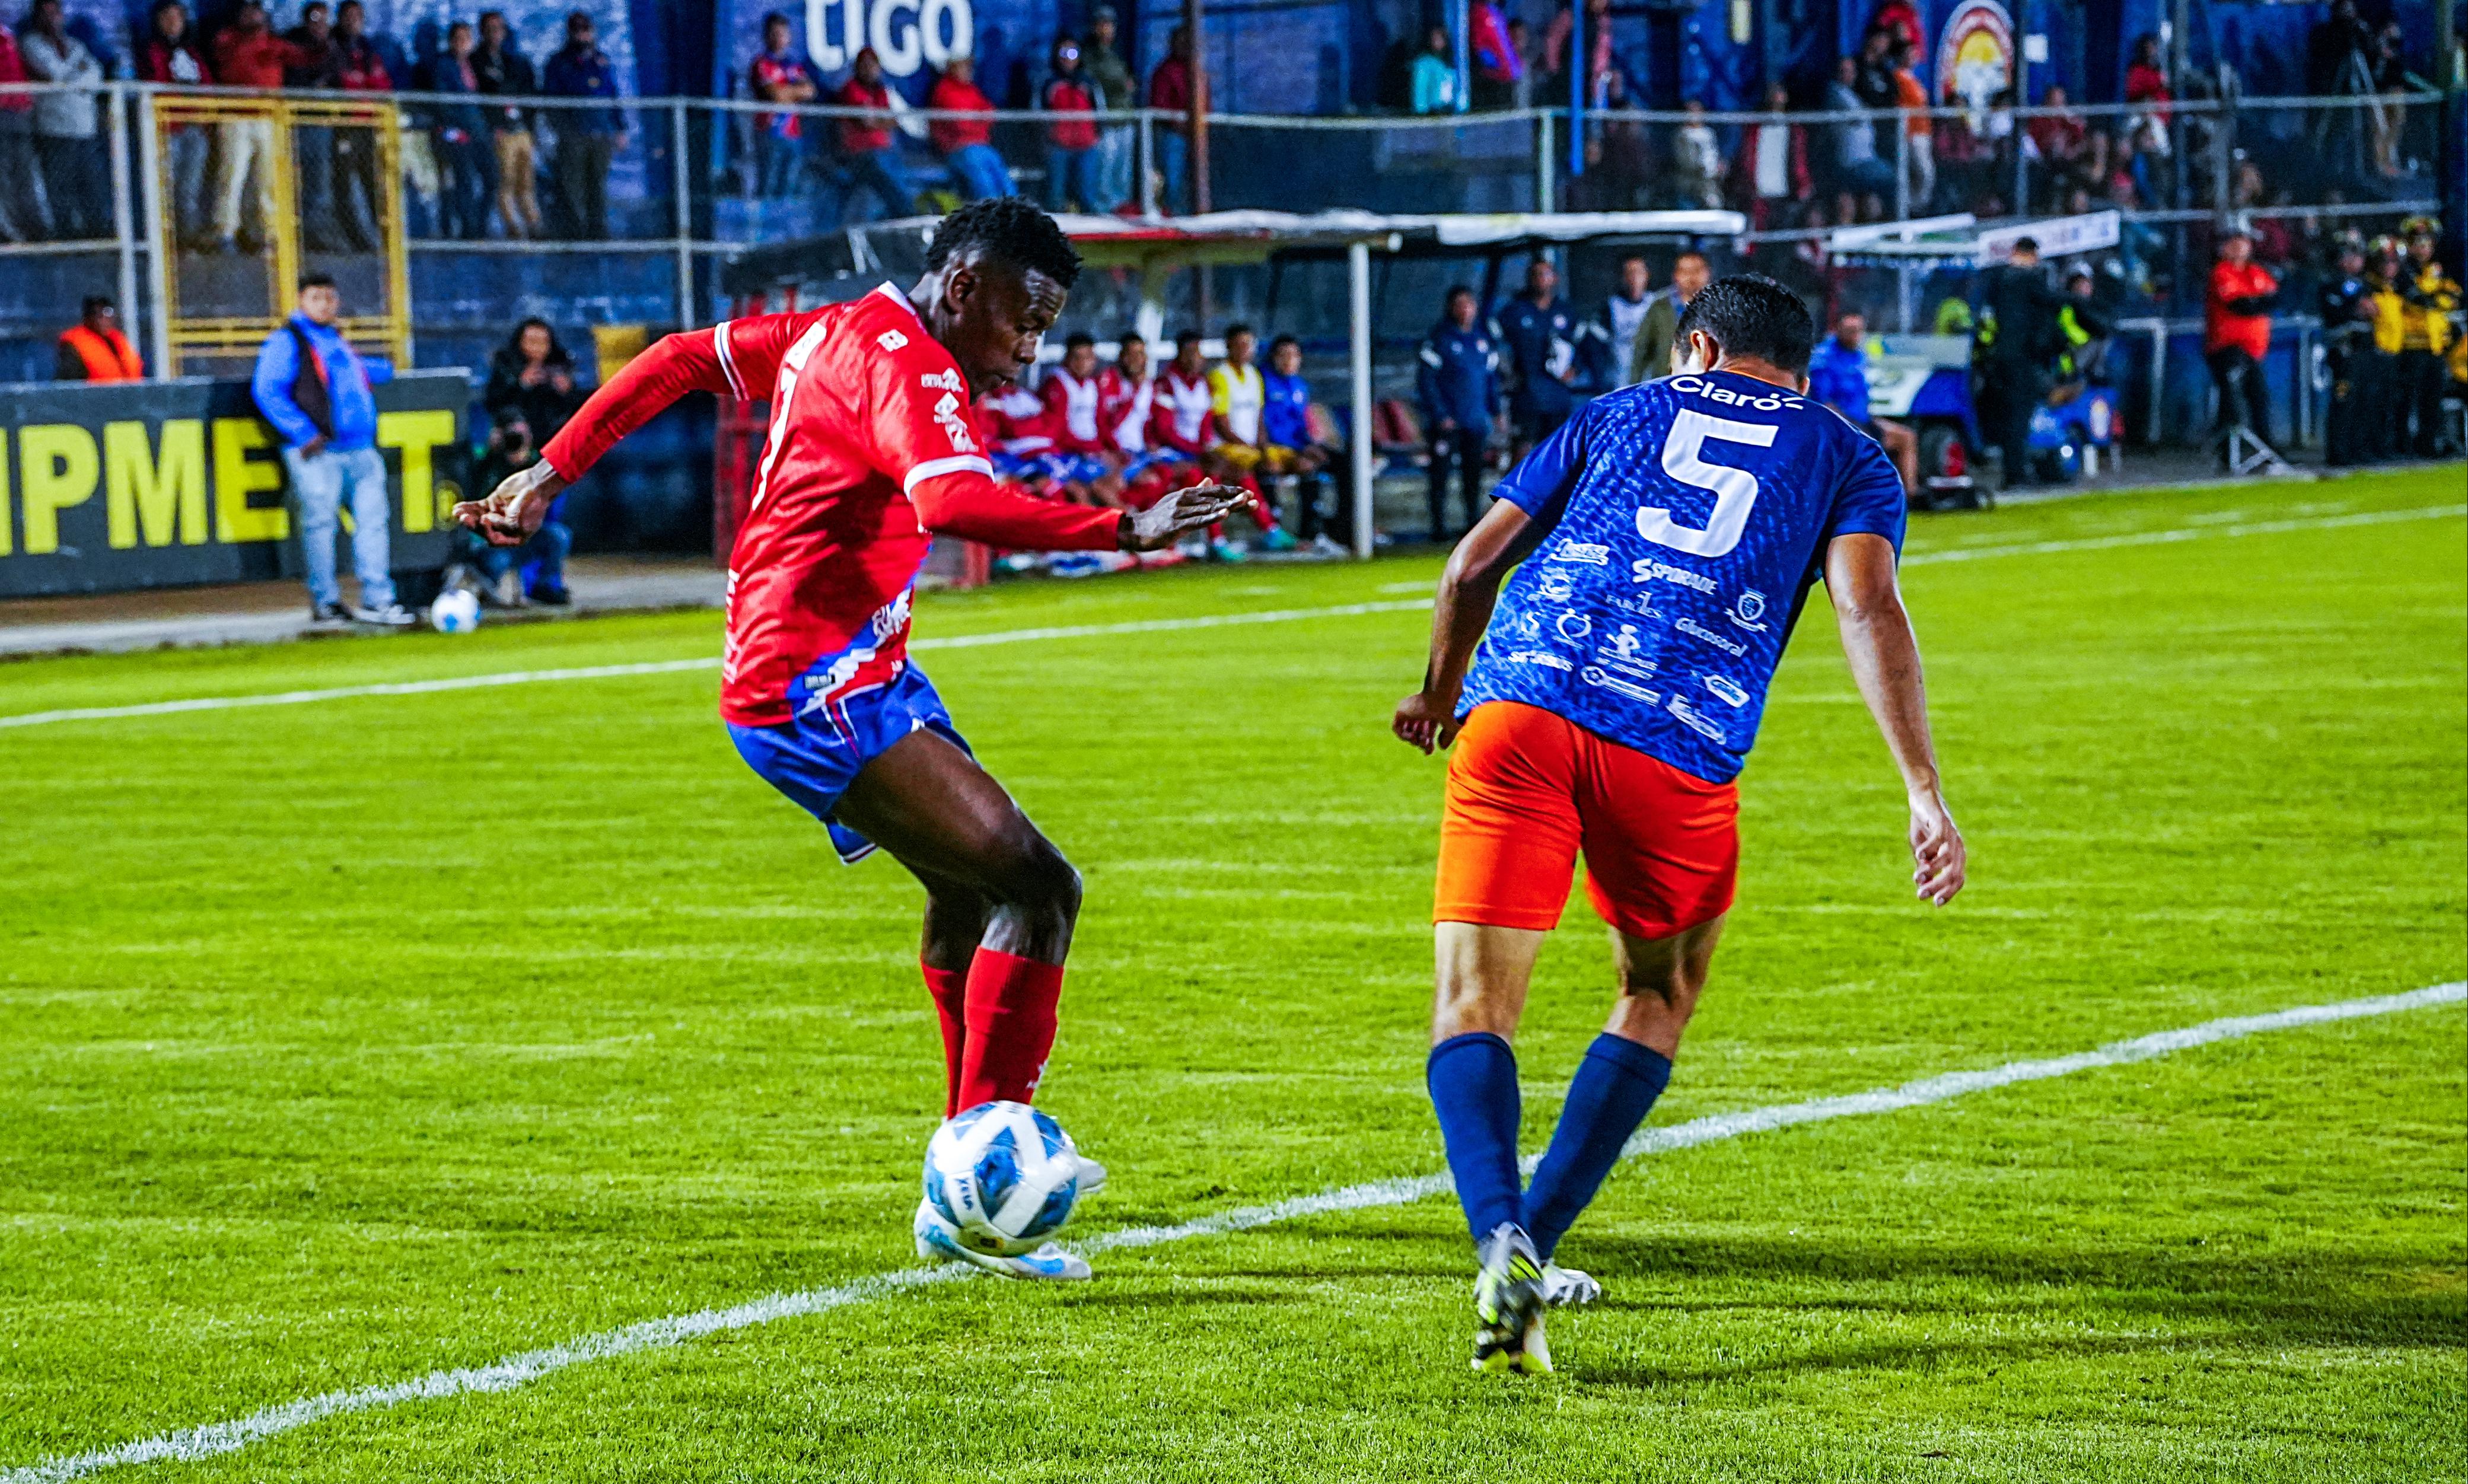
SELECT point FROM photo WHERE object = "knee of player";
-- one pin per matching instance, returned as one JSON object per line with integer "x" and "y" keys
{"x": 1040, "y": 878}
{"x": 1673, "y": 982}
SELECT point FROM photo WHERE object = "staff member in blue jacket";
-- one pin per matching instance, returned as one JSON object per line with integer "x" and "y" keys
{"x": 318, "y": 394}
{"x": 1458, "y": 381}
{"x": 1540, "y": 336}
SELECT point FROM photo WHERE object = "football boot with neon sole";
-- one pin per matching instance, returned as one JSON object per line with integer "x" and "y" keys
{"x": 1508, "y": 1305}
{"x": 938, "y": 1240}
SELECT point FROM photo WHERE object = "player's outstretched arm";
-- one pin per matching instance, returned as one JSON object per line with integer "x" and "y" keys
{"x": 967, "y": 503}
{"x": 1884, "y": 657}
{"x": 687, "y": 362}
{"x": 1460, "y": 612}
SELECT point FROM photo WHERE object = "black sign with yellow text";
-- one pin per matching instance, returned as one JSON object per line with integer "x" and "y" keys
{"x": 166, "y": 484}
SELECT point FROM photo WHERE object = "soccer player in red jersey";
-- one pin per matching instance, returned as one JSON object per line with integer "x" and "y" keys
{"x": 871, "y": 448}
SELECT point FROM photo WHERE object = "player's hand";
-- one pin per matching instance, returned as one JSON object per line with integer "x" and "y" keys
{"x": 1425, "y": 720}
{"x": 514, "y": 511}
{"x": 1179, "y": 515}
{"x": 1937, "y": 854}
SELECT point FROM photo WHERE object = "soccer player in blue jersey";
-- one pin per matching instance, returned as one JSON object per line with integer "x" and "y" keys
{"x": 1661, "y": 544}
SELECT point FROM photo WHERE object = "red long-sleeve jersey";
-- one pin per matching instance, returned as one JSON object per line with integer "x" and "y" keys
{"x": 871, "y": 447}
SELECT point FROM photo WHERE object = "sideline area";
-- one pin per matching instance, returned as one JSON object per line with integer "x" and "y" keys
{"x": 274, "y": 612}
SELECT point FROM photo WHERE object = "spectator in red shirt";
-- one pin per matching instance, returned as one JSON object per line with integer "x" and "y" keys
{"x": 961, "y": 129}
{"x": 1498, "y": 67}
{"x": 246, "y": 53}
{"x": 1171, "y": 89}
{"x": 169, "y": 59}
{"x": 2062, "y": 140}
{"x": 1771, "y": 169}
{"x": 2237, "y": 335}
{"x": 357, "y": 186}
{"x": 779, "y": 76}
{"x": 22, "y": 218}
{"x": 865, "y": 154}
{"x": 1071, "y": 138}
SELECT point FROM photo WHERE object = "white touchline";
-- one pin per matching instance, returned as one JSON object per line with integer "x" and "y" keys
{"x": 225, "y": 1437}
{"x": 161, "y": 708}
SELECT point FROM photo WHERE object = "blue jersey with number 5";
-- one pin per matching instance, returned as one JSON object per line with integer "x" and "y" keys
{"x": 1687, "y": 518}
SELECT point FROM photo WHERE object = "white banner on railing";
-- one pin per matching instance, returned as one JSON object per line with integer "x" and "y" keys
{"x": 2057, "y": 235}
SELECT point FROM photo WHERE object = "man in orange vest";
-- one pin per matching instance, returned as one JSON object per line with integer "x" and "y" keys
{"x": 2236, "y": 334}
{"x": 94, "y": 350}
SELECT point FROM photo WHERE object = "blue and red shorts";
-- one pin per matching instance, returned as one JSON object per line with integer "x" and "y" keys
{"x": 815, "y": 755}
{"x": 1529, "y": 790}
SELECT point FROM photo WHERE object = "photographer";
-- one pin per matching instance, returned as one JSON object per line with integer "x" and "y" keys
{"x": 510, "y": 576}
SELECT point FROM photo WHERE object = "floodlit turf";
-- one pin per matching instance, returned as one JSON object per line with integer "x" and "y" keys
{"x": 343, "y": 1042}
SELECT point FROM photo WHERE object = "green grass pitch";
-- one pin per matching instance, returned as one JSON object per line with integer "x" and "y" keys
{"x": 343, "y": 1042}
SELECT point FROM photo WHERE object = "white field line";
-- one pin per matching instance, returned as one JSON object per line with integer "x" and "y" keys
{"x": 225, "y": 1437}
{"x": 160, "y": 708}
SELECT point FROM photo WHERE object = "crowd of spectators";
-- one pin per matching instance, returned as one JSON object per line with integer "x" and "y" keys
{"x": 852, "y": 163}
{"x": 471, "y": 167}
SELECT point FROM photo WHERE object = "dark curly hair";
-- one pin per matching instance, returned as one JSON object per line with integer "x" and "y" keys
{"x": 1008, "y": 228}
{"x": 1751, "y": 314}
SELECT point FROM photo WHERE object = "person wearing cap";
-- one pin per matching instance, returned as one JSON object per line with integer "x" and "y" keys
{"x": 2236, "y": 336}
{"x": 2427, "y": 298}
{"x": 2346, "y": 305}
{"x": 94, "y": 348}
{"x": 1071, "y": 135}
{"x": 2017, "y": 339}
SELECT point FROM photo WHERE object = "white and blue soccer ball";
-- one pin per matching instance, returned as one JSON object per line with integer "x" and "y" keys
{"x": 456, "y": 612}
{"x": 1004, "y": 1175}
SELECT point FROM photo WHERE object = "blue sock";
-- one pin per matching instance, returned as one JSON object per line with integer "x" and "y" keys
{"x": 1614, "y": 1088}
{"x": 1472, "y": 1080}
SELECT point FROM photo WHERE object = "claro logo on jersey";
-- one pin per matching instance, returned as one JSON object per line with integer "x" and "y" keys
{"x": 1697, "y": 385}
{"x": 953, "y": 421}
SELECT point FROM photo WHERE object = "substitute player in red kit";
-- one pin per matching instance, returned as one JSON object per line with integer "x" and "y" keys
{"x": 872, "y": 448}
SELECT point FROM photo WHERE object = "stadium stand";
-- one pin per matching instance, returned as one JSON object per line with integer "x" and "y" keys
{"x": 601, "y": 165}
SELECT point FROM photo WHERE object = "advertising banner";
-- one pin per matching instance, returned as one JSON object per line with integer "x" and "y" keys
{"x": 169, "y": 484}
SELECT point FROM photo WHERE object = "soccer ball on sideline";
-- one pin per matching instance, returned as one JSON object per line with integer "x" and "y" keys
{"x": 1004, "y": 1176}
{"x": 456, "y": 612}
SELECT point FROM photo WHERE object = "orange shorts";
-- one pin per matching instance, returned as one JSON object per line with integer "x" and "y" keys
{"x": 1528, "y": 789}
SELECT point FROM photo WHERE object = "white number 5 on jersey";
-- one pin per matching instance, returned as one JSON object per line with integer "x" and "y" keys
{"x": 1735, "y": 490}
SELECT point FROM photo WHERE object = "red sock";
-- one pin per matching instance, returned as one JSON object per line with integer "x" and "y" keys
{"x": 1011, "y": 1027}
{"x": 949, "y": 988}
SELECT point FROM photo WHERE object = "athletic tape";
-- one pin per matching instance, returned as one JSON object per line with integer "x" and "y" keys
{"x": 516, "y": 1370}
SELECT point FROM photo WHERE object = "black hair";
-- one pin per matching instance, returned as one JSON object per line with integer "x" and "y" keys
{"x": 310, "y": 281}
{"x": 1238, "y": 327}
{"x": 1697, "y": 253}
{"x": 774, "y": 18}
{"x": 1455, "y": 289}
{"x": 1281, "y": 342}
{"x": 94, "y": 302}
{"x": 557, "y": 351}
{"x": 1183, "y": 338}
{"x": 1131, "y": 336}
{"x": 2025, "y": 244}
{"x": 1076, "y": 339}
{"x": 1010, "y": 228}
{"x": 1751, "y": 314}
